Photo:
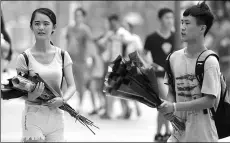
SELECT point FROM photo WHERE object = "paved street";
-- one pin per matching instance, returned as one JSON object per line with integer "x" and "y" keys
{"x": 135, "y": 130}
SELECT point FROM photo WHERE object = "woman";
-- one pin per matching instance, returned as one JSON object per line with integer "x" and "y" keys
{"x": 44, "y": 122}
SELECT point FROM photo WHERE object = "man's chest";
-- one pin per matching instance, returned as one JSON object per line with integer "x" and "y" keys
{"x": 161, "y": 46}
{"x": 186, "y": 83}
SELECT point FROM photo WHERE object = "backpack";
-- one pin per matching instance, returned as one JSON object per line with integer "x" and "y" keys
{"x": 222, "y": 115}
{"x": 62, "y": 56}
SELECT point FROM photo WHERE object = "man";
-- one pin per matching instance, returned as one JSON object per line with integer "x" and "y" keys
{"x": 160, "y": 44}
{"x": 191, "y": 99}
{"x": 79, "y": 39}
{"x": 117, "y": 37}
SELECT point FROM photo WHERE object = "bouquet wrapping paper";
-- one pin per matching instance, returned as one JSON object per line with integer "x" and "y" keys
{"x": 133, "y": 79}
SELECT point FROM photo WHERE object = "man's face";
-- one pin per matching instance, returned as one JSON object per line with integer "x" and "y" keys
{"x": 79, "y": 17}
{"x": 189, "y": 29}
{"x": 167, "y": 20}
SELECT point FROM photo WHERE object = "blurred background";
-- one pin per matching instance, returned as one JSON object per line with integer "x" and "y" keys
{"x": 136, "y": 127}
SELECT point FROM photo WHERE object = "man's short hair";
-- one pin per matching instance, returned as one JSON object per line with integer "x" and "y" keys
{"x": 203, "y": 15}
{"x": 114, "y": 17}
{"x": 84, "y": 13}
{"x": 163, "y": 11}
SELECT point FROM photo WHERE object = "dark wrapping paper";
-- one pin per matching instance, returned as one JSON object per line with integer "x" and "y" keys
{"x": 132, "y": 79}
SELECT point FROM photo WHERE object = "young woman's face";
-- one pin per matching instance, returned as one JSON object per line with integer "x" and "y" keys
{"x": 42, "y": 26}
{"x": 189, "y": 29}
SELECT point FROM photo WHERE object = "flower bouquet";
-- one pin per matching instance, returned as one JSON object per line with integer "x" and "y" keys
{"x": 20, "y": 85}
{"x": 134, "y": 80}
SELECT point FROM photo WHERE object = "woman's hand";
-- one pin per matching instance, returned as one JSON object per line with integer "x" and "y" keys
{"x": 32, "y": 96}
{"x": 55, "y": 102}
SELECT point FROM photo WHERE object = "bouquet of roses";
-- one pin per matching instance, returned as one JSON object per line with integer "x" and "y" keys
{"x": 133, "y": 79}
{"x": 20, "y": 85}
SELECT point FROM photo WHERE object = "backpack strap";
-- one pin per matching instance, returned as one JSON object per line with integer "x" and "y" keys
{"x": 26, "y": 58}
{"x": 63, "y": 57}
{"x": 170, "y": 74}
{"x": 199, "y": 70}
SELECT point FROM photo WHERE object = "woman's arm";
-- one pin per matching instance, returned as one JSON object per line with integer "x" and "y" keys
{"x": 71, "y": 89}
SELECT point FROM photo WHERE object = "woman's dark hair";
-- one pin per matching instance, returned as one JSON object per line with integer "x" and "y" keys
{"x": 202, "y": 13}
{"x": 163, "y": 11}
{"x": 48, "y": 13}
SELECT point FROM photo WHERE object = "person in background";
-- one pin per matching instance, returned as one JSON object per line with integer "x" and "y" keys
{"x": 160, "y": 44}
{"x": 223, "y": 50}
{"x": 116, "y": 37}
{"x": 96, "y": 78}
{"x": 6, "y": 46}
{"x": 79, "y": 39}
{"x": 136, "y": 45}
{"x": 105, "y": 54}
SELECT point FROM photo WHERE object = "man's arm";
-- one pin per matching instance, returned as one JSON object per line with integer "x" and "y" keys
{"x": 102, "y": 42}
{"x": 146, "y": 51}
{"x": 199, "y": 104}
